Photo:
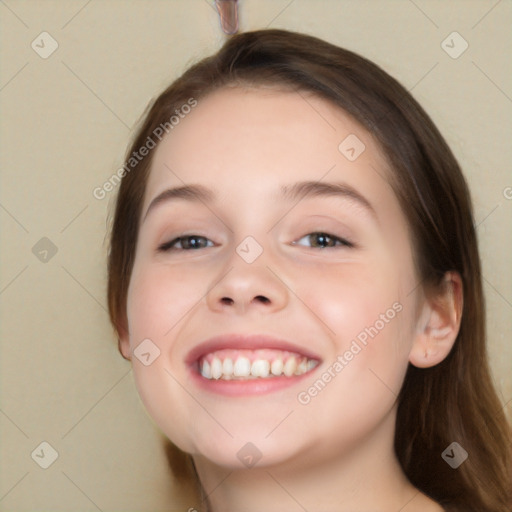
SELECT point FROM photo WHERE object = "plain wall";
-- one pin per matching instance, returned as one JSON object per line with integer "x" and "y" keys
{"x": 65, "y": 124}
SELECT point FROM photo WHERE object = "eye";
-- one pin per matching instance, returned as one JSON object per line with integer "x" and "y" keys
{"x": 325, "y": 240}
{"x": 319, "y": 240}
{"x": 187, "y": 242}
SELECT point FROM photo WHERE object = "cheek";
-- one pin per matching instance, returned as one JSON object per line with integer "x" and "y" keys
{"x": 360, "y": 382}
{"x": 359, "y": 385}
{"x": 158, "y": 299}
{"x": 353, "y": 298}
{"x": 158, "y": 303}
{"x": 368, "y": 319}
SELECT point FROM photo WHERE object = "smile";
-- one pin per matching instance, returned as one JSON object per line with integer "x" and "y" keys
{"x": 249, "y": 364}
{"x": 229, "y": 364}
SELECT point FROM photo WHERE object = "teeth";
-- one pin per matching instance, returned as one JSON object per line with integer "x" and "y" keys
{"x": 216, "y": 368}
{"x": 290, "y": 366}
{"x": 242, "y": 368}
{"x": 260, "y": 368}
{"x": 311, "y": 364}
{"x": 302, "y": 367}
{"x": 227, "y": 367}
{"x": 205, "y": 369}
{"x": 277, "y": 367}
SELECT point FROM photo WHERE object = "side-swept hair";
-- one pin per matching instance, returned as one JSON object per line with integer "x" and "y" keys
{"x": 452, "y": 401}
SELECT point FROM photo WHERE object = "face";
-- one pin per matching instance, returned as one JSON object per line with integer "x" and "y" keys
{"x": 293, "y": 300}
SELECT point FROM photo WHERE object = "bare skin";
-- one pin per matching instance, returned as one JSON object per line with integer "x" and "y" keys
{"x": 332, "y": 451}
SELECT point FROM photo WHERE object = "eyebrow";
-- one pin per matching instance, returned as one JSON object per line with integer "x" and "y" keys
{"x": 296, "y": 192}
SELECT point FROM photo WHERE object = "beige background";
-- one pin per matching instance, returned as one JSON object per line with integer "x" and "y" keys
{"x": 65, "y": 124}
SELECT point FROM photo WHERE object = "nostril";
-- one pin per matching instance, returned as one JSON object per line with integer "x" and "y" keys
{"x": 262, "y": 298}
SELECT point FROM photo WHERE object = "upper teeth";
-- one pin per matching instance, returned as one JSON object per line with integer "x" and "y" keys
{"x": 227, "y": 368}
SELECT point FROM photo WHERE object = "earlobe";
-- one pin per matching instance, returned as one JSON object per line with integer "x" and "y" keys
{"x": 439, "y": 323}
{"x": 124, "y": 348}
{"x": 123, "y": 343}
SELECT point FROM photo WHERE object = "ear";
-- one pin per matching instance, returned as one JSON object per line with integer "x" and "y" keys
{"x": 123, "y": 341}
{"x": 439, "y": 323}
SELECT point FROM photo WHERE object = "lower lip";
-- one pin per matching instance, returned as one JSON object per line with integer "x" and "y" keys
{"x": 247, "y": 387}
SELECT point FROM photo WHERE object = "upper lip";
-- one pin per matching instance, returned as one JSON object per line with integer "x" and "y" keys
{"x": 246, "y": 342}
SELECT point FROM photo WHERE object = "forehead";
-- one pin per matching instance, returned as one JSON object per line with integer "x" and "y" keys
{"x": 245, "y": 145}
{"x": 262, "y": 138}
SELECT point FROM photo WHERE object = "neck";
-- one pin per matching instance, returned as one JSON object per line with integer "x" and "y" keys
{"x": 366, "y": 477}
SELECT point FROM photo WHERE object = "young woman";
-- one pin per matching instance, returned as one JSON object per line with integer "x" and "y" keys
{"x": 294, "y": 274}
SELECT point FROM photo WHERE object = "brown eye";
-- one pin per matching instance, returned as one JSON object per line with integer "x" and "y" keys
{"x": 325, "y": 240}
{"x": 185, "y": 243}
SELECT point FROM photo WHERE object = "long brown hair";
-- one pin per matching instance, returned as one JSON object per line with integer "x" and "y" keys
{"x": 454, "y": 401}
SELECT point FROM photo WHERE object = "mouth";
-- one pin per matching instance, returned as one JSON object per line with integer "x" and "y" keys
{"x": 243, "y": 365}
{"x": 231, "y": 364}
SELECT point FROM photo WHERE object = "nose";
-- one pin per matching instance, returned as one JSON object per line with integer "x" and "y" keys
{"x": 248, "y": 286}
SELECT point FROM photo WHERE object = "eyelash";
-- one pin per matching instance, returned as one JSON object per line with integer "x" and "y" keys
{"x": 168, "y": 246}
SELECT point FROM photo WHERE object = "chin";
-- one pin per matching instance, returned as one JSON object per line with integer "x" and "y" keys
{"x": 239, "y": 454}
